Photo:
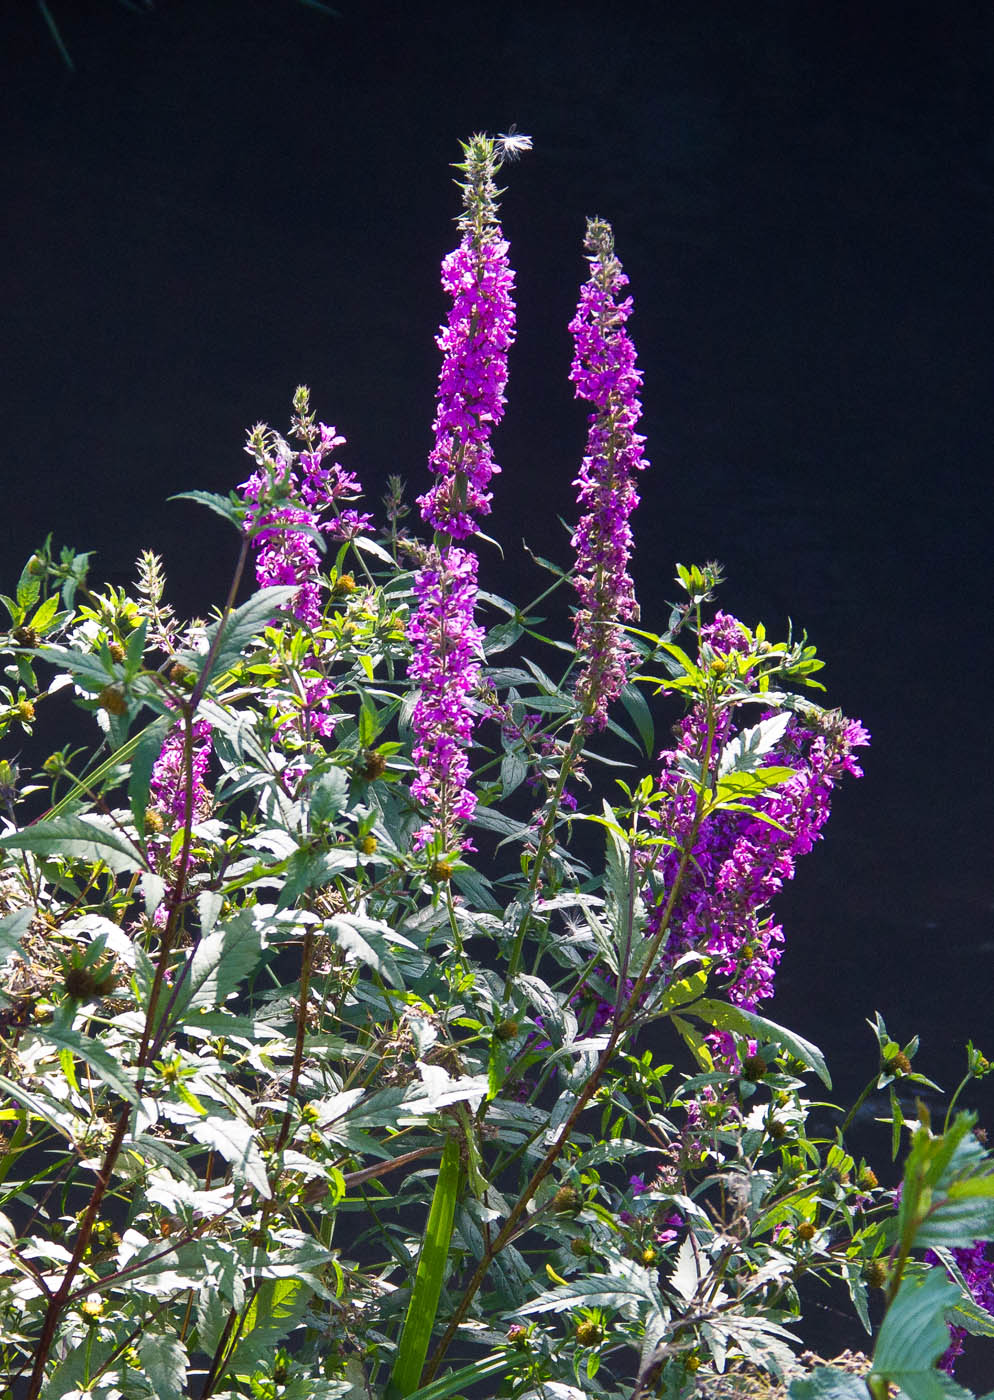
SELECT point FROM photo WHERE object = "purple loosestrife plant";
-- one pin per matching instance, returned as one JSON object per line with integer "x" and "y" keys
{"x": 474, "y": 343}
{"x": 742, "y": 854}
{"x": 604, "y": 374}
{"x": 319, "y": 1017}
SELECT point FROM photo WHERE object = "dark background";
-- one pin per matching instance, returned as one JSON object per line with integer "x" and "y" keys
{"x": 231, "y": 197}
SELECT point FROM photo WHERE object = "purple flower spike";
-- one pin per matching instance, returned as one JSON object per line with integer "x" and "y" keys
{"x": 474, "y": 343}
{"x": 167, "y": 783}
{"x": 604, "y": 374}
{"x": 447, "y": 643}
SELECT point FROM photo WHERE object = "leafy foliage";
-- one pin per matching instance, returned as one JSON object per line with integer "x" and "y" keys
{"x": 295, "y": 1107}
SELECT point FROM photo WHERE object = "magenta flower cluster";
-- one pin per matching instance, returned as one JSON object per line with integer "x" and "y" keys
{"x": 739, "y": 861}
{"x": 446, "y": 640}
{"x": 604, "y": 374}
{"x": 978, "y": 1275}
{"x": 285, "y": 534}
{"x": 167, "y": 783}
{"x": 474, "y": 343}
{"x": 447, "y": 645}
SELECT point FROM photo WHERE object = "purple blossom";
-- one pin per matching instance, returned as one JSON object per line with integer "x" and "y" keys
{"x": 978, "y": 1275}
{"x": 285, "y": 509}
{"x": 447, "y": 644}
{"x": 474, "y": 343}
{"x": 446, "y": 640}
{"x": 672, "y": 1226}
{"x": 604, "y": 374}
{"x": 740, "y": 861}
{"x": 167, "y": 783}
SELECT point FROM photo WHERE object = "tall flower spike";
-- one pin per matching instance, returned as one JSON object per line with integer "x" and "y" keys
{"x": 604, "y": 374}
{"x": 447, "y": 642}
{"x": 474, "y": 342}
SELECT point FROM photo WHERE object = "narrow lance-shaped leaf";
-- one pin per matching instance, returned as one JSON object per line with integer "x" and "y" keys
{"x": 75, "y": 837}
{"x": 97, "y": 1056}
{"x": 428, "y": 1280}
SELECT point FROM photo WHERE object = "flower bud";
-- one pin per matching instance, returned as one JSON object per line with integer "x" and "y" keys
{"x": 806, "y": 1230}
{"x": 566, "y": 1200}
{"x": 507, "y": 1030}
{"x": 111, "y": 699}
{"x": 588, "y": 1334}
{"x": 374, "y": 765}
{"x": 875, "y": 1273}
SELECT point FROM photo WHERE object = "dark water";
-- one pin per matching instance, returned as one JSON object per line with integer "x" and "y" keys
{"x": 230, "y": 198}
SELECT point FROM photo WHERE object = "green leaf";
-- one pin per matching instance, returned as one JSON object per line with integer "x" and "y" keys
{"x": 220, "y": 505}
{"x": 597, "y": 1291}
{"x": 45, "y": 613}
{"x": 502, "y": 636}
{"x": 914, "y": 1334}
{"x": 733, "y": 787}
{"x": 732, "y": 1018}
{"x": 240, "y": 628}
{"x": 275, "y": 1311}
{"x": 165, "y": 1362}
{"x": 13, "y": 927}
{"x": 828, "y": 1384}
{"x": 222, "y": 961}
{"x": 366, "y": 940}
{"x": 307, "y": 870}
{"x": 50, "y": 1110}
{"x": 513, "y": 771}
{"x": 687, "y": 989}
{"x": 744, "y": 754}
{"x": 96, "y": 1055}
{"x": 232, "y": 1137}
{"x": 635, "y": 703}
{"x": 445, "y": 1386}
{"x": 78, "y": 838}
{"x": 431, "y": 1271}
